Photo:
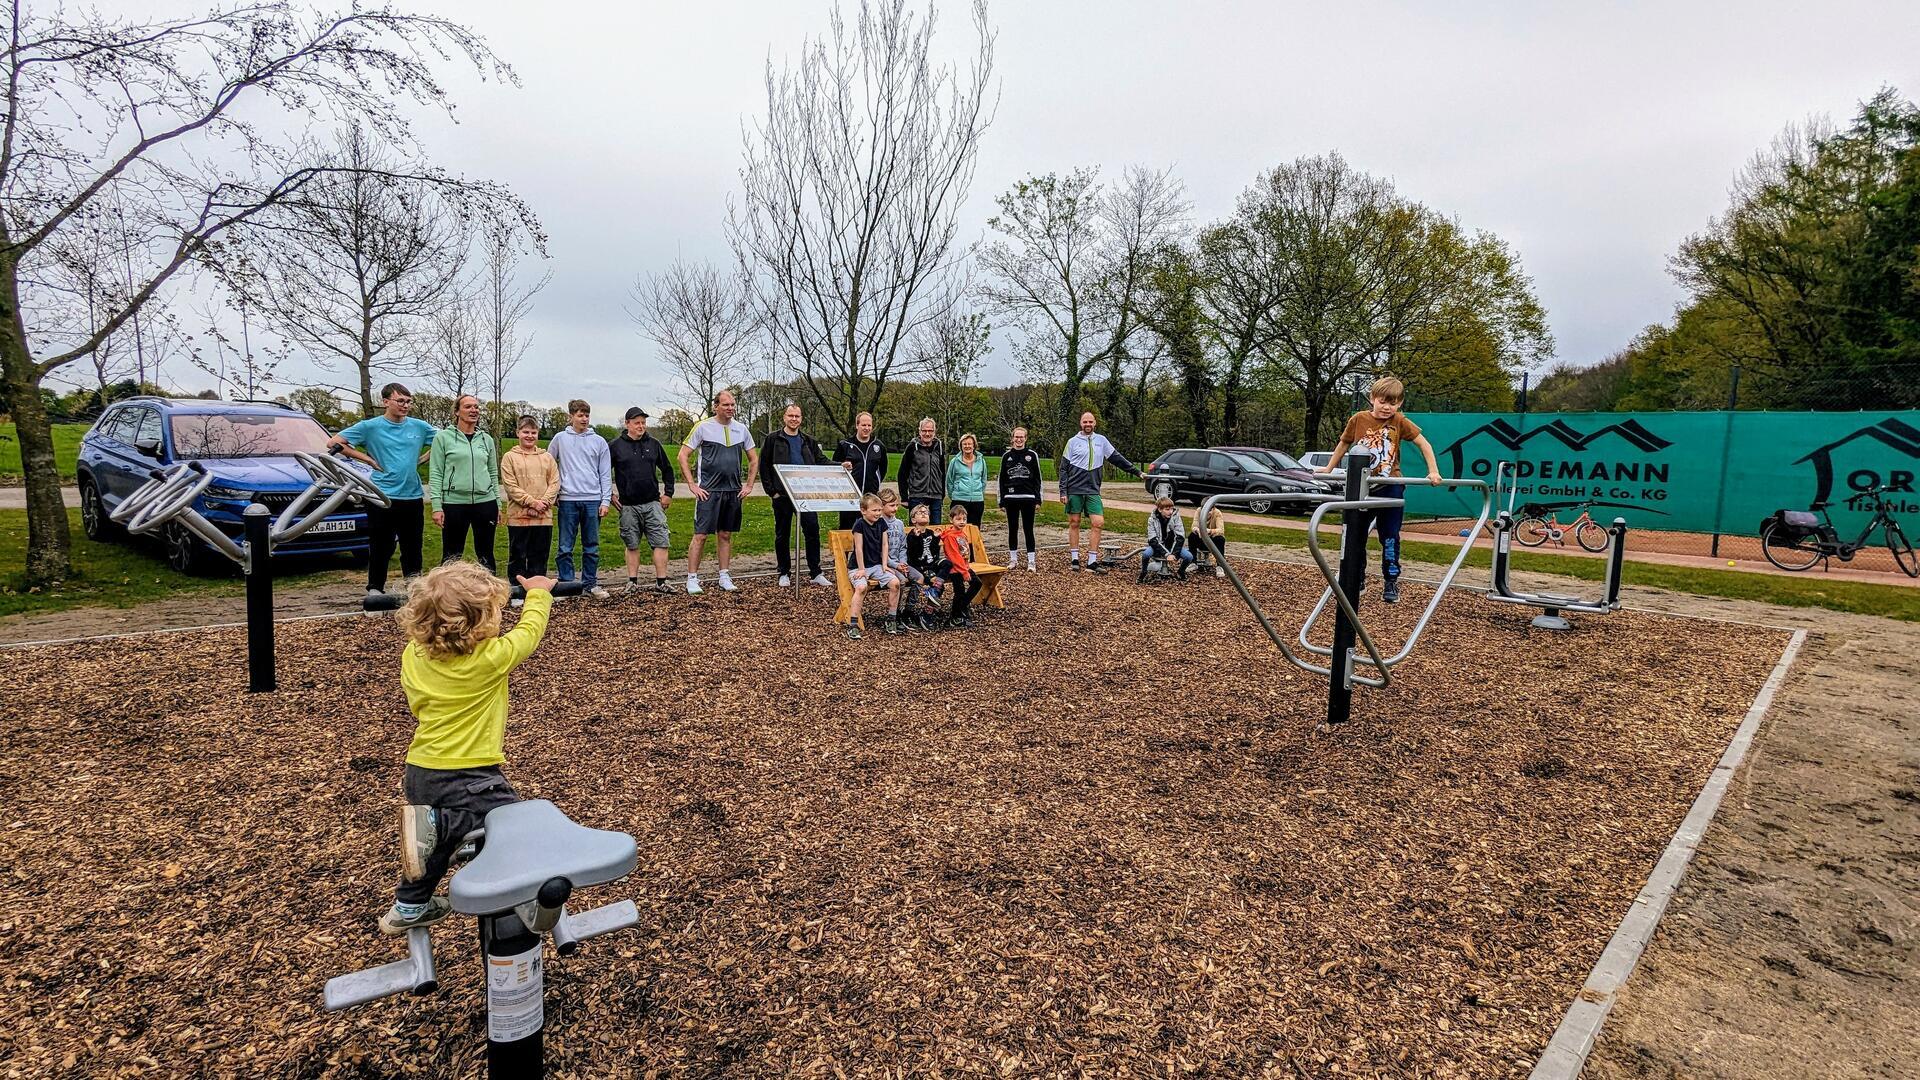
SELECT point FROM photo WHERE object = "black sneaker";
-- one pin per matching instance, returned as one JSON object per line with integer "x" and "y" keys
{"x": 661, "y": 588}
{"x": 1390, "y": 592}
{"x": 1097, "y": 567}
{"x": 1073, "y": 563}
{"x": 892, "y": 625}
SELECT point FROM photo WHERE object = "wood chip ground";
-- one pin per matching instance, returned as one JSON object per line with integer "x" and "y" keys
{"x": 1096, "y": 835}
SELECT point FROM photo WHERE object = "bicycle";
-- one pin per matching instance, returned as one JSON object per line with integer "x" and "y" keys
{"x": 1796, "y": 539}
{"x": 1539, "y": 524}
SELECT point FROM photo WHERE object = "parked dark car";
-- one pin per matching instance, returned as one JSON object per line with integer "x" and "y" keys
{"x": 247, "y": 446}
{"x": 1190, "y": 475}
{"x": 1282, "y": 464}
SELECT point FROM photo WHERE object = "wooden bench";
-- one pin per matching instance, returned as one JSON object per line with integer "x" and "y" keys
{"x": 840, "y": 543}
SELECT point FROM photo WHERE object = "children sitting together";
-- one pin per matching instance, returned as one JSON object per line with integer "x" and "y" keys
{"x": 915, "y": 565}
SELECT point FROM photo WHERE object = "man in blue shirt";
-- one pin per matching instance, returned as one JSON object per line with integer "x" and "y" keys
{"x": 394, "y": 444}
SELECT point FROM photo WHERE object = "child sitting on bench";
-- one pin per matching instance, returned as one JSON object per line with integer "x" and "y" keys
{"x": 454, "y": 671}
{"x": 869, "y": 559}
{"x": 956, "y": 566}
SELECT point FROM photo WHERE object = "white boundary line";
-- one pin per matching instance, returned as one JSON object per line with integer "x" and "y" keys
{"x": 1567, "y": 1051}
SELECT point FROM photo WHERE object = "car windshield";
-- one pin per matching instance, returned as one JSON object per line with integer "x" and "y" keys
{"x": 221, "y": 435}
{"x": 1282, "y": 461}
{"x": 1250, "y": 463}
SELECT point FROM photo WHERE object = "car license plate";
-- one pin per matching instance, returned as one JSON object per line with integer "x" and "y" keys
{"x": 333, "y": 527}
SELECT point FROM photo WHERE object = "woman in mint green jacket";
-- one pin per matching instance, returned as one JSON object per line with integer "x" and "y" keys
{"x": 967, "y": 478}
{"x": 463, "y": 484}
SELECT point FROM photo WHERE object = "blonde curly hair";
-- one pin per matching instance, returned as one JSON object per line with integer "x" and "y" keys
{"x": 453, "y": 608}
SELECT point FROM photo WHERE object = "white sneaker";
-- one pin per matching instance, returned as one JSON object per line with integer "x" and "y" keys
{"x": 821, "y": 579}
{"x": 1219, "y": 572}
{"x": 1013, "y": 558}
{"x": 516, "y": 602}
{"x": 726, "y": 582}
{"x": 1030, "y": 563}
{"x": 599, "y": 592}
{"x": 693, "y": 585}
{"x": 785, "y": 581}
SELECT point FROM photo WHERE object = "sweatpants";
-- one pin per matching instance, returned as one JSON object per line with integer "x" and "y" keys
{"x": 482, "y": 518}
{"x": 460, "y": 799}
{"x": 527, "y": 547}
{"x": 1387, "y": 523}
{"x": 1019, "y": 519}
{"x": 964, "y": 590}
{"x": 783, "y": 536}
{"x": 401, "y": 523}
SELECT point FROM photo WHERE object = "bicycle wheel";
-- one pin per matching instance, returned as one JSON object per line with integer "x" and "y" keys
{"x": 1531, "y": 531}
{"x": 1592, "y": 535}
{"x": 1902, "y": 549}
{"x": 1786, "y": 554}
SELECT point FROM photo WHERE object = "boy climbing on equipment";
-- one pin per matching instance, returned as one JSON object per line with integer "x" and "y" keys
{"x": 1379, "y": 432}
{"x": 454, "y": 671}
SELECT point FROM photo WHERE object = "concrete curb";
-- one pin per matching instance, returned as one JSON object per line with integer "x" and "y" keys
{"x": 1567, "y": 1051}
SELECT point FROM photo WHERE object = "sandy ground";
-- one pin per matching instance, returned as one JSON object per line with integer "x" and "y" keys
{"x": 1790, "y": 949}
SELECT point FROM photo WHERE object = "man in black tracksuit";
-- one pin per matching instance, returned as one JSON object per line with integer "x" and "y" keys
{"x": 791, "y": 446}
{"x": 923, "y": 472}
{"x": 865, "y": 459}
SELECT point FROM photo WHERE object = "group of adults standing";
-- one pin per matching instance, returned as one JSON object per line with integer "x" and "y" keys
{"x": 580, "y": 477}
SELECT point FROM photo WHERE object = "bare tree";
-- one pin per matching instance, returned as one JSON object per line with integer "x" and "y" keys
{"x": 240, "y": 367}
{"x": 502, "y": 304}
{"x": 853, "y": 184}
{"x": 704, "y": 324}
{"x": 951, "y": 350}
{"x": 455, "y": 360}
{"x": 192, "y": 124}
{"x": 360, "y": 264}
{"x": 1072, "y": 269}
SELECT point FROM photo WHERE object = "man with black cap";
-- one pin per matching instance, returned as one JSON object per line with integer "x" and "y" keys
{"x": 791, "y": 446}
{"x": 642, "y": 491}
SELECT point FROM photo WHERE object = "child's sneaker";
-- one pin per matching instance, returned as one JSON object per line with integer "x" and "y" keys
{"x": 892, "y": 625}
{"x": 1220, "y": 571}
{"x": 418, "y": 836}
{"x": 394, "y": 924}
{"x": 1390, "y": 592}
{"x": 693, "y": 585}
{"x": 1096, "y": 566}
{"x": 661, "y": 588}
{"x": 726, "y": 582}
{"x": 853, "y": 630}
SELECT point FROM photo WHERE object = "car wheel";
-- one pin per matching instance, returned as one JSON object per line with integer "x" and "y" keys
{"x": 1260, "y": 506}
{"x": 93, "y": 514}
{"x": 183, "y": 548}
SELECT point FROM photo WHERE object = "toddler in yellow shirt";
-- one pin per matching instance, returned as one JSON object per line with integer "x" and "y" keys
{"x": 454, "y": 671}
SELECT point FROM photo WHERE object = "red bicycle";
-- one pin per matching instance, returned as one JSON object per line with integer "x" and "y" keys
{"x": 1539, "y": 524}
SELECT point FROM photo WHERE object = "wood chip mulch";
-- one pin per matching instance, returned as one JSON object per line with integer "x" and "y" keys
{"x": 1096, "y": 835}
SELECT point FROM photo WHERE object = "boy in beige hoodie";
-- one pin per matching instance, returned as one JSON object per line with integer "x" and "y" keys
{"x": 530, "y": 480}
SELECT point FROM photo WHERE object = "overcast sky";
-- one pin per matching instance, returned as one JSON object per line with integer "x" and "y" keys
{"x": 1592, "y": 137}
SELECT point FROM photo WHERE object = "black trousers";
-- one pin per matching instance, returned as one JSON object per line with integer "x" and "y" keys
{"x": 482, "y": 518}
{"x": 527, "y": 547}
{"x": 975, "y": 511}
{"x": 964, "y": 590}
{"x": 460, "y": 799}
{"x": 1019, "y": 518}
{"x": 402, "y": 524}
{"x": 783, "y": 536}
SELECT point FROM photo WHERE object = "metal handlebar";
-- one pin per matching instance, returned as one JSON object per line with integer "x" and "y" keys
{"x": 1240, "y": 586}
{"x": 163, "y": 498}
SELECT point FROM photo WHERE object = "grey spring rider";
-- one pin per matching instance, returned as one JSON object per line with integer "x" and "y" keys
{"x": 531, "y": 859}
{"x": 170, "y": 495}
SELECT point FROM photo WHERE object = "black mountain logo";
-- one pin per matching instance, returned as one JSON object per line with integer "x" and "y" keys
{"x": 1894, "y": 433}
{"x": 1514, "y": 439}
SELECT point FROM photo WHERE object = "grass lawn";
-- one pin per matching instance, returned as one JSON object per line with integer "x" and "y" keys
{"x": 128, "y": 574}
{"x": 66, "y": 448}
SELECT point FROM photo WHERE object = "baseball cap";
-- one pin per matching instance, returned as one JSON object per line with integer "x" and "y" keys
{"x": 636, "y": 413}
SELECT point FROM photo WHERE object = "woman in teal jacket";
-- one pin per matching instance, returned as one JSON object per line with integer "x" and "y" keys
{"x": 463, "y": 483}
{"x": 967, "y": 478}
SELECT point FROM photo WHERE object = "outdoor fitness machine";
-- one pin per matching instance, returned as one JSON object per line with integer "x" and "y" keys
{"x": 531, "y": 859}
{"x": 1344, "y": 584}
{"x": 394, "y": 601}
{"x": 170, "y": 496}
{"x": 1550, "y": 617}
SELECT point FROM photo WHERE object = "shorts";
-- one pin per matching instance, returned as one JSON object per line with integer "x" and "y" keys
{"x": 646, "y": 522}
{"x": 1085, "y": 504}
{"x": 719, "y": 512}
{"x": 876, "y": 576}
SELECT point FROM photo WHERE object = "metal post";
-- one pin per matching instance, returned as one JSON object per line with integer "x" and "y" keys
{"x": 1353, "y": 572}
{"x": 258, "y": 523}
{"x": 516, "y": 998}
{"x": 1726, "y": 454}
{"x": 1524, "y": 377}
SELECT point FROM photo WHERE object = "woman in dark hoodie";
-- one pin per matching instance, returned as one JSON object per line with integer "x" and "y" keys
{"x": 1019, "y": 495}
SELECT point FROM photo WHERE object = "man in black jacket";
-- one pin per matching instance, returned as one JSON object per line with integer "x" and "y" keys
{"x": 865, "y": 459}
{"x": 923, "y": 472}
{"x": 791, "y": 446}
{"x": 641, "y": 499}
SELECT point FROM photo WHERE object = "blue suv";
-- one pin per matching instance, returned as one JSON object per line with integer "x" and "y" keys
{"x": 247, "y": 446}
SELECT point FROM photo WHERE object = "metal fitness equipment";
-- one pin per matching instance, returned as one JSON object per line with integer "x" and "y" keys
{"x": 1344, "y": 584}
{"x": 394, "y": 601}
{"x": 1551, "y": 606}
{"x": 170, "y": 495}
{"x": 531, "y": 859}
